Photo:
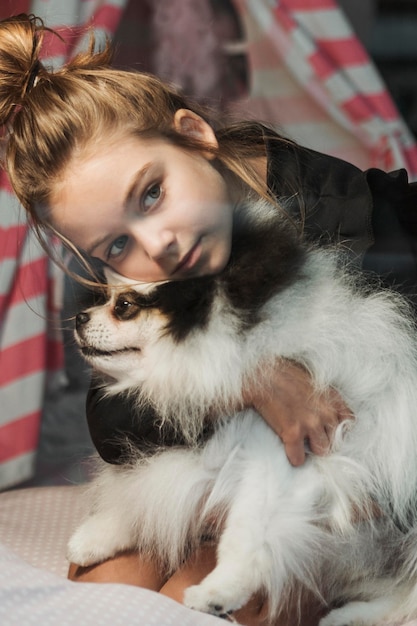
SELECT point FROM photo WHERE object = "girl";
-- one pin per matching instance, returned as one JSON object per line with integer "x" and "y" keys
{"x": 123, "y": 169}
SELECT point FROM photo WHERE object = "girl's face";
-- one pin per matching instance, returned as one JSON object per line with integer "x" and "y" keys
{"x": 147, "y": 208}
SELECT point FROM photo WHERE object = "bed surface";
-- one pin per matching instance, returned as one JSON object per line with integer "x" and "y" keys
{"x": 35, "y": 525}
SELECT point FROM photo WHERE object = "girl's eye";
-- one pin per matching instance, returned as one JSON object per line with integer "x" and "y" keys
{"x": 117, "y": 247}
{"x": 151, "y": 196}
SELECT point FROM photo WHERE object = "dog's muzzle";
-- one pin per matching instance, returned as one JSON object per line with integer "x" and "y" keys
{"x": 86, "y": 344}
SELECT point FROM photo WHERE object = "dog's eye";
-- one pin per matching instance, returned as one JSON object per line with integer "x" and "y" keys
{"x": 122, "y": 306}
{"x": 127, "y": 306}
{"x": 125, "y": 309}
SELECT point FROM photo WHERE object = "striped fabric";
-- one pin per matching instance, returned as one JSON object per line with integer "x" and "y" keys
{"x": 30, "y": 343}
{"x": 312, "y": 78}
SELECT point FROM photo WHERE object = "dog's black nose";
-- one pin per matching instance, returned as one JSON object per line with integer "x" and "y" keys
{"x": 81, "y": 319}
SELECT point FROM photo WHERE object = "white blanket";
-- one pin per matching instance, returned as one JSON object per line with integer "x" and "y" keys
{"x": 30, "y": 596}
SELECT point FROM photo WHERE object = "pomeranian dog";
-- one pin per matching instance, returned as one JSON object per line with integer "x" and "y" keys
{"x": 343, "y": 525}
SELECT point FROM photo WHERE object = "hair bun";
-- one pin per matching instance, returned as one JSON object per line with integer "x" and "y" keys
{"x": 20, "y": 41}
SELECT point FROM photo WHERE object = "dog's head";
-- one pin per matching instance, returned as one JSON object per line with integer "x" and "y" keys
{"x": 137, "y": 319}
{"x": 111, "y": 335}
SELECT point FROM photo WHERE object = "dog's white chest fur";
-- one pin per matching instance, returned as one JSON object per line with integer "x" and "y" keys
{"x": 282, "y": 527}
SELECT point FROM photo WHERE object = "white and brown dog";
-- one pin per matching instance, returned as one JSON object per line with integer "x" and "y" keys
{"x": 187, "y": 349}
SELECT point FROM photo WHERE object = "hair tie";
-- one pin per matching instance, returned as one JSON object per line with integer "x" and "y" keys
{"x": 33, "y": 77}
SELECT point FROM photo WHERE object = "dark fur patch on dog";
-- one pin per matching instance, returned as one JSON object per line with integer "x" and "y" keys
{"x": 264, "y": 260}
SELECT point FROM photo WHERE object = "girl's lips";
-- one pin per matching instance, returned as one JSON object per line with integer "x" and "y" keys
{"x": 189, "y": 260}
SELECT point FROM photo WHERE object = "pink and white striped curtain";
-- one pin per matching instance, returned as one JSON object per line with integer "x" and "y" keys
{"x": 312, "y": 78}
{"x": 30, "y": 342}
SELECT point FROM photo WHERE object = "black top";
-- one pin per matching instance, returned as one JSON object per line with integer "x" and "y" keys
{"x": 374, "y": 214}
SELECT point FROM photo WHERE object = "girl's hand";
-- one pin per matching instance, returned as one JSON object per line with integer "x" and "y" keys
{"x": 297, "y": 413}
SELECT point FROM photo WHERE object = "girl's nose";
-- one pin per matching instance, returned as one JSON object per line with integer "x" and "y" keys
{"x": 157, "y": 243}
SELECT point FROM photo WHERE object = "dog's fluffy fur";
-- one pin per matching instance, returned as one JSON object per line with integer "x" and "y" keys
{"x": 343, "y": 525}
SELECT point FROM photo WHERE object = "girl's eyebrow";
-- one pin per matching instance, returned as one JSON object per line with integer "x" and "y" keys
{"x": 136, "y": 180}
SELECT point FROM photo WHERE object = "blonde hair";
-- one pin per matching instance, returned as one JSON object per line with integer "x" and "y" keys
{"x": 50, "y": 114}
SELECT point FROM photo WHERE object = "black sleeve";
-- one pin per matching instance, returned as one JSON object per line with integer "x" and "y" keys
{"x": 116, "y": 424}
{"x": 371, "y": 213}
{"x": 393, "y": 255}
{"x": 328, "y": 196}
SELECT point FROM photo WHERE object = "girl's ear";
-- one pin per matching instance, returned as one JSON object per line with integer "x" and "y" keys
{"x": 189, "y": 123}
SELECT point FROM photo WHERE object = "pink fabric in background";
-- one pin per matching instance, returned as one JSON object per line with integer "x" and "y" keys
{"x": 313, "y": 79}
{"x": 188, "y": 50}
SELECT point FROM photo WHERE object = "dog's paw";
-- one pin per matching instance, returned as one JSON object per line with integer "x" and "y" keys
{"x": 92, "y": 542}
{"x": 210, "y": 599}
